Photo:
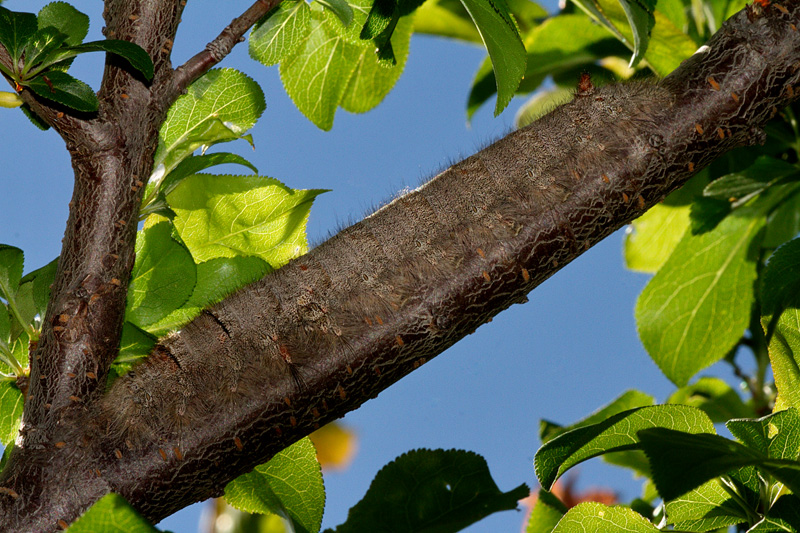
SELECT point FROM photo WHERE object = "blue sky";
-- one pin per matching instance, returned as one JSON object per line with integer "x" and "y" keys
{"x": 572, "y": 348}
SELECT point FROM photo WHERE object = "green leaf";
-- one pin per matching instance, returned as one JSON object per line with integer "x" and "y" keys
{"x": 681, "y": 461}
{"x": 66, "y": 19}
{"x": 705, "y": 508}
{"x": 135, "y": 344}
{"x": 560, "y": 44}
{"x": 11, "y": 262}
{"x": 739, "y": 187}
{"x": 340, "y": 8}
{"x": 163, "y": 276}
{"x": 783, "y": 224}
{"x": 780, "y": 282}
{"x": 219, "y": 107}
{"x": 5, "y": 325}
{"x": 696, "y": 308}
{"x": 371, "y": 81}
{"x": 715, "y": 397}
{"x": 591, "y": 516}
{"x": 641, "y": 18}
{"x": 783, "y": 515}
{"x": 316, "y": 75}
{"x": 430, "y": 490}
{"x": 625, "y": 402}
{"x": 776, "y": 435}
{"x": 279, "y": 33}
{"x": 499, "y": 34}
{"x": 130, "y": 52}
{"x": 383, "y": 14}
{"x": 111, "y": 514}
{"x": 11, "y": 404}
{"x": 546, "y": 513}
{"x": 42, "y": 279}
{"x": 63, "y": 89}
{"x": 652, "y": 237}
{"x": 617, "y": 433}
{"x": 187, "y": 167}
{"x": 541, "y": 103}
{"x": 41, "y": 44}
{"x": 446, "y": 18}
{"x": 289, "y": 485}
{"x": 226, "y": 216}
{"x": 15, "y": 30}
{"x": 668, "y": 45}
{"x": 216, "y": 278}
{"x": 780, "y": 308}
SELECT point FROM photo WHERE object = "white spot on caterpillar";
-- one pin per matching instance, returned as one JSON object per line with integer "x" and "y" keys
{"x": 702, "y": 50}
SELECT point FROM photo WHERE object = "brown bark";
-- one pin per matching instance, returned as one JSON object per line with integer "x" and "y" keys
{"x": 335, "y": 327}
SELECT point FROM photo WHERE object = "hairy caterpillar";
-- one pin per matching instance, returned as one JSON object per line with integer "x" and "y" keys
{"x": 320, "y": 336}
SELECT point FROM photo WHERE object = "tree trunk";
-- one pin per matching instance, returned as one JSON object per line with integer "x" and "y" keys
{"x": 333, "y": 328}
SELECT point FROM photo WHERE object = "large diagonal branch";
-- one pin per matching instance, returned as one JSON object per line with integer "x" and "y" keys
{"x": 335, "y": 327}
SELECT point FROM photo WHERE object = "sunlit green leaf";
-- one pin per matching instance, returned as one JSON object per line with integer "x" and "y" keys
{"x": 371, "y": 81}
{"x": 220, "y": 106}
{"x": 625, "y": 402}
{"x": 780, "y": 308}
{"x": 718, "y": 399}
{"x": 668, "y": 45}
{"x": 317, "y": 74}
{"x": 226, "y": 216}
{"x": 289, "y": 485}
{"x": 546, "y": 513}
{"x": 279, "y": 33}
{"x": 446, "y": 18}
{"x": 340, "y": 8}
{"x": 652, "y": 237}
{"x": 697, "y": 306}
{"x": 617, "y": 433}
{"x": 111, "y": 514}
{"x": 597, "y": 517}
{"x": 776, "y": 435}
{"x": 705, "y": 508}
{"x": 11, "y": 403}
{"x": 135, "y": 343}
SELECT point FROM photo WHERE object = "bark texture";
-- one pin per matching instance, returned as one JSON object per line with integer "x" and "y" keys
{"x": 330, "y": 330}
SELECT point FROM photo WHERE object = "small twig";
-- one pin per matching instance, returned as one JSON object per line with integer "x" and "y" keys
{"x": 219, "y": 48}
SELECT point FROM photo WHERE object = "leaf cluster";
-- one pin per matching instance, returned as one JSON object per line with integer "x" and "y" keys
{"x": 41, "y": 47}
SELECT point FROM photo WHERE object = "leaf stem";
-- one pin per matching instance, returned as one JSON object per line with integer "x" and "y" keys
{"x": 12, "y": 305}
{"x": 8, "y": 358}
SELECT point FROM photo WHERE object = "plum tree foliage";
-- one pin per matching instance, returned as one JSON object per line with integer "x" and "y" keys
{"x": 186, "y": 341}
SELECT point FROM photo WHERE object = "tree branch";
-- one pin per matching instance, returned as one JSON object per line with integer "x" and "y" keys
{"x": 333, "y": 328}
{"x": 111, "y": 154}
{"x": 216, "y": 50}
